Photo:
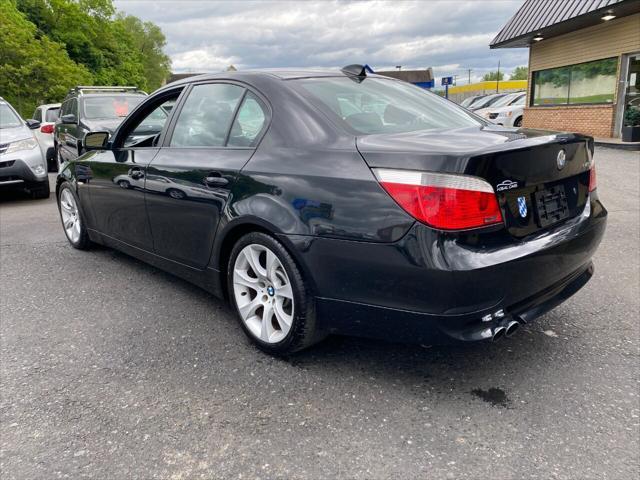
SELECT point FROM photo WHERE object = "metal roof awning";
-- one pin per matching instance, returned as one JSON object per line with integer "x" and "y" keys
{"x": 550, "y": 18}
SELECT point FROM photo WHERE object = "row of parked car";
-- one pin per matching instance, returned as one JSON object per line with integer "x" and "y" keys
{"x": 32, "y": 148}
{"x": 59, "y": 129}
{"x": 499, "y": 108}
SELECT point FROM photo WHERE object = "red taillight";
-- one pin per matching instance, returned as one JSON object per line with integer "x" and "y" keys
{"x": 592, "y": 178}
{"x": 444, "y": 201}
{"x": 46, "y": 128}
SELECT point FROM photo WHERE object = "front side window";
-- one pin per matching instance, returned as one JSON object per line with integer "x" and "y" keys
{"x": 110, "y": 106}
{"x": 206, "y": 116}
{"x": 384, "y": 106}
{"x": 590, "y": 82}
{"x": 144, "y": 130}
{"x": 248, "y": 123}
{"x": 8, "y": 118}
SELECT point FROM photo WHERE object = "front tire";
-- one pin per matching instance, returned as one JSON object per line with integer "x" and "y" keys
{"x": 274, "y": 305}
{"x": 72, "y": 221}
{"x": 518, "y": 122}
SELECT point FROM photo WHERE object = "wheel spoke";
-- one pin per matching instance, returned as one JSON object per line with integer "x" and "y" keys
{"x": 284, "y": 291}
{"x": 68, "y": 223}
{"x": 242, "y": 278}
{"x": 272, "y": 265}
{"x": 249, "y": 308}
{"x": 283, "y": 319}
{"x": 253, "y": 257}
{"x": 267, "y": 328}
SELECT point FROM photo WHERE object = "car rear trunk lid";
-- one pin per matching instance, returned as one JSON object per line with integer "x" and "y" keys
{"x": 540, "y": 178}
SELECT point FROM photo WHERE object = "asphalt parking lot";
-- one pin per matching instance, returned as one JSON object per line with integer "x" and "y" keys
{"x": 112, "y": 369}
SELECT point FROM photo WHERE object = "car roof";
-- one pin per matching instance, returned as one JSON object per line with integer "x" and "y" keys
{"x": 273, "y": 73}
{"x": 50, "y": 105}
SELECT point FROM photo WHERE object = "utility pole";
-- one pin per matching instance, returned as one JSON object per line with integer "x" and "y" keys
{"x": 498, "y": 78}
{"x": 469, "y": 72}
{"x": 455, "y": 80}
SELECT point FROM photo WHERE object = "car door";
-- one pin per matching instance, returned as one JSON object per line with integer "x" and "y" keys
{"x": 69, "y": 141}
{"x": 198, "y": 165}
{"x": 117, "y": 175}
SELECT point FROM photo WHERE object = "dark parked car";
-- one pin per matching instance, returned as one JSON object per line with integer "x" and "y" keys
{"x": 336, "y": 202}
{"x": 87, "y": 109}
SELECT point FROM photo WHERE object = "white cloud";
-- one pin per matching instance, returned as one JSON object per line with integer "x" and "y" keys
{"x": 449, "y": 35}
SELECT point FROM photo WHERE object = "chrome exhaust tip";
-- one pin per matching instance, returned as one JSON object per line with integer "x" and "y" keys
{"x": 498, "y": 333}
{"x": 512, "y": 326}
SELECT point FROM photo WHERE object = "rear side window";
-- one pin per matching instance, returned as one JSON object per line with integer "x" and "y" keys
{"x": 52, "y": 114}
{"x": 384, "y": 106}
{"x": 205, "y": 118}
{"x": 37, "y": 115}
{"x": 248, "y": 123}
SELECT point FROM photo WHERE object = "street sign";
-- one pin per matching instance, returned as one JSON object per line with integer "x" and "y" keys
{"x": 447, "y": 81}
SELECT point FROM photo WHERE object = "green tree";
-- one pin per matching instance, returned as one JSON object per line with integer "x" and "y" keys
{"x": 519, "y": 73}
{"x": 116, "y": 49}
{"x": 33, "y": 68}
{"x": 149, "y": 41}
{"x": 493, "y": 76}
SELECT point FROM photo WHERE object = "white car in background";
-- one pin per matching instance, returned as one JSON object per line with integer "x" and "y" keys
{"x": 47, "y": 116}
{"x": 509, "y": 115}
{"x": 505, "y": 101}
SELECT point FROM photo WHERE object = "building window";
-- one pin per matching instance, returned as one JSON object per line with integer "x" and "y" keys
{"x": 590, "y": 82}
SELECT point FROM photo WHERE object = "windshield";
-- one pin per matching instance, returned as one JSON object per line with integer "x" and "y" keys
{"x": 8, "y": 118}
{"x": 504, "y": 101}
{"x": 110, "y": 106}
{"x": 488, "y": 101}
{"x": 384, "y": 106}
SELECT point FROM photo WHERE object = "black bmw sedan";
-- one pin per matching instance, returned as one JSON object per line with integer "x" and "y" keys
{"x": 342, "y": 202}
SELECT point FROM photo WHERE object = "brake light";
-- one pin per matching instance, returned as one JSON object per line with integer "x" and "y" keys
{"x": 592, "y": 178}
{"x": 46, "y": 128}
{"x": 443, "y": 201}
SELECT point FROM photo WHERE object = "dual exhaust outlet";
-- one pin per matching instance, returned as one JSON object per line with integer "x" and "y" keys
{"x": 506, "y": 328}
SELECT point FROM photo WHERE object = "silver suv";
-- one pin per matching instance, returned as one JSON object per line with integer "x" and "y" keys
{"x": 22, "y": 163}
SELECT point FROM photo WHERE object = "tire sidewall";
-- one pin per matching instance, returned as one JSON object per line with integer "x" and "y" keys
{"x": 84, "y": 239}
{"x": 304, "y": 315}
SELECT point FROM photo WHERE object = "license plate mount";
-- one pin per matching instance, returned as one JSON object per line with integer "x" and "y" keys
{"x": 551, "y": 205}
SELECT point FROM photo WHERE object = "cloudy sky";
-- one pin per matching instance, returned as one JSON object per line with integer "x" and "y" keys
{"x": 449, "y": 35}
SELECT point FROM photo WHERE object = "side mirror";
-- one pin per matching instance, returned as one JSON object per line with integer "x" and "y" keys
{"x": 68, "y": 118}
{"x": 96, "y": 140}
{"x": 32, "y": 124}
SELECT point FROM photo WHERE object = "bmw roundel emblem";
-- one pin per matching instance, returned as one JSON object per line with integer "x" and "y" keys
{"x": 561, "y": 159}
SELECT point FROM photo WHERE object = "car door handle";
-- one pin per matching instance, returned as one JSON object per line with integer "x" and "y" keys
{"x": 215, "y": 179}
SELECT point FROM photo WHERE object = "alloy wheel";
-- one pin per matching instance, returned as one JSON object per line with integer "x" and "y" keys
{"x": 70, "y": 215}
{"x": 263, "y": 293}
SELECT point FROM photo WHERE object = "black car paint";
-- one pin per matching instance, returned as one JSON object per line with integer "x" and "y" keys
{"x": 374, "y": 270}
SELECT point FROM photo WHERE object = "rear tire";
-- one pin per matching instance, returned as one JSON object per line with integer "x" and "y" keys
{"x": 72, "y": 220}
{"x": 278, "y": 306}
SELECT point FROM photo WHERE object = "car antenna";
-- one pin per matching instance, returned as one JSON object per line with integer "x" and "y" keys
{"x": 356, "y": 71}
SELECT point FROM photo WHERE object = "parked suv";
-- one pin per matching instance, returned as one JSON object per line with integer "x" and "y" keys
{"x": 22, "y": 164}
{"x": 86, "y": 109}
{"x": 47, "y": 116}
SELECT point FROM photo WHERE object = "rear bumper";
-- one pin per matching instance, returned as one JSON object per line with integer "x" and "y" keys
{"x": 434, "y": 286}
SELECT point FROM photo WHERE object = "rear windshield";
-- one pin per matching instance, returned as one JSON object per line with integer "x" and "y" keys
{"x": 8, "y": 118}
{"x": 384, "y": 106}
{"x": 52, "y": 114}
{"x": 110, "y": 106}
